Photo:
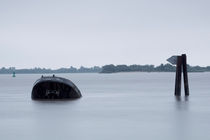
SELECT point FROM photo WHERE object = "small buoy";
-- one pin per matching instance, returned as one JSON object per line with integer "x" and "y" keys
{"x": 13, "y": 75}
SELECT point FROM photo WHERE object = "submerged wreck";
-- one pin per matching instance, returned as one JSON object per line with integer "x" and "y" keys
{"x": 54, "y": 88}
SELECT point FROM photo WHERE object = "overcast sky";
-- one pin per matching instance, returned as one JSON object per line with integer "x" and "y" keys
{"x": 64, "y": 33}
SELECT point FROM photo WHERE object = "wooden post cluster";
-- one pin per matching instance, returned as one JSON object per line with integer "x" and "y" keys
{"x": 181, "y": 64}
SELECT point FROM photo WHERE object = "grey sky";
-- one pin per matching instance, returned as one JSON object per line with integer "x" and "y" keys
{"x": 63, "y": 33}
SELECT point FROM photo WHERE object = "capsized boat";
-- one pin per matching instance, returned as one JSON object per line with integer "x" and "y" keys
{"x": 53, "y": 87}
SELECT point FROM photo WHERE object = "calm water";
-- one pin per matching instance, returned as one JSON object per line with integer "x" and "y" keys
{"x": 119, "y": 106}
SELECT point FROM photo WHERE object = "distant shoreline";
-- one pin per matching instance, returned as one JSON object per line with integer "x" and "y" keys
{"x": 104, "y": 69}
{"x": 150, "y": 68}
{"x": 98, "y": 73}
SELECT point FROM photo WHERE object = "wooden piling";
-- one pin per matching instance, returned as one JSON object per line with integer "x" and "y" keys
{"x": 184, "y": 64}
{"x": 178, "y": 76}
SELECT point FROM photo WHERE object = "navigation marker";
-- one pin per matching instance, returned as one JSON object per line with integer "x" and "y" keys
{"x": 181, "y": 66}
{"x": 172, "y": 59}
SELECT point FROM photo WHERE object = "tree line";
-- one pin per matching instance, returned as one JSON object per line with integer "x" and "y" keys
{"x": 150, "y": 68}
{"x": 105, "y": 69}
{"x": 82, "y": 69}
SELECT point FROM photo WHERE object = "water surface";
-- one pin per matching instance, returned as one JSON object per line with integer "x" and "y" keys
{"x": 118, "y": 106}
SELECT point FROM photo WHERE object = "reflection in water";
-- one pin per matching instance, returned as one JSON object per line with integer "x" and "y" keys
{"x": 180, "y": 98}
{"x": 182, "y": 103}
{"x": 182, "y": 122}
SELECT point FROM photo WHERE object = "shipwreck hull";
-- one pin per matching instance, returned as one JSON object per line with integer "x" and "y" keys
{"x": 54, "y": 88}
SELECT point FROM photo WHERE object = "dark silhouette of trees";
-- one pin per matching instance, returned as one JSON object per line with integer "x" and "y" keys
{"x": 106, "y": 69}
{"x": 149, "y": 68}
{"x": 94, "y": 69}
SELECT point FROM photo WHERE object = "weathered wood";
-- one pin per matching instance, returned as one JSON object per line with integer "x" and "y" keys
{"x": 184, "y": 64}
{"x": 178, "y": 76}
